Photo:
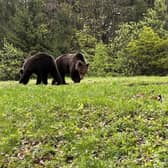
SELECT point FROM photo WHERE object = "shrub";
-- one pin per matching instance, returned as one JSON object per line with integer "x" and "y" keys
{"x": 86, "y": 43}
{"x": 10, "y": 62}
{"x": 101, "y": 64}
{"x": 147, "y": 55}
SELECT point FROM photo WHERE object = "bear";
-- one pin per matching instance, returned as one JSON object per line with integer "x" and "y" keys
{"x": 42, "y": 65}
{"x": 73, "y": 65}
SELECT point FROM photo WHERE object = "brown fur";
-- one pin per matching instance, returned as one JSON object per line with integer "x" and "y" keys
{"x": 40, "y": 64}
{"x": 73, "y": 65}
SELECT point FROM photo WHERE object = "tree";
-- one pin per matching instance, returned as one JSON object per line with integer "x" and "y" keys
{"x": 35, "y": 27}
{"x": 147, "y": 55}
{"x": 101, "y": 63}
{"x": 7, "y": 9}
{"x": 157, "y": 18}
{"x": 10, "y": 61}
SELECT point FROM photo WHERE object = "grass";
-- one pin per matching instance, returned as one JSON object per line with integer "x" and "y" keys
{"x": 99, "y": 123}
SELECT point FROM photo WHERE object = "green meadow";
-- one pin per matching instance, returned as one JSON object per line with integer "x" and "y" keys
{"x": 100, "y": 123}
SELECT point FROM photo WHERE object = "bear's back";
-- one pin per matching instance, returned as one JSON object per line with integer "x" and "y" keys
{"x": 39, "y": 61}
{"x": 70, "y": 58}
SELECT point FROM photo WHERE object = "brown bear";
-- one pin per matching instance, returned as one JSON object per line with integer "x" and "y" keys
{"x": 73, "y": 65}
{"x": 42, "y": 65}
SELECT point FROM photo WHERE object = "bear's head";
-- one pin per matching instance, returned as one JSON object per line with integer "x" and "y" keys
{"x": 82, "y": 68}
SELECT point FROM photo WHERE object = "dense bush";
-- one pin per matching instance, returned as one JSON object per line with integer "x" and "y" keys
{"x": 10, "y": 61}
{"x": 101, "y": 64}
{"x": 86, "y": 43}
{"x": 146, "y": 55}
{"x": 141, "y": 48}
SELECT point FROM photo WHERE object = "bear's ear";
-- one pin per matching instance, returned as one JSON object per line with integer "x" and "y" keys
{"x": 87, "y": 64}
{"x": 79, "y": 55}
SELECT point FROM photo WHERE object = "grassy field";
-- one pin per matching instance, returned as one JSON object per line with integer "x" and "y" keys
{"x": 99, "y": 123}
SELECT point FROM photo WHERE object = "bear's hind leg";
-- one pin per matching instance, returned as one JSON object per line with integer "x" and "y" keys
{"x": 45, "y": 78}
{"x": 63, "y": 79}
{"x": 38, "y": 79}
{"x": 57, "y": 79}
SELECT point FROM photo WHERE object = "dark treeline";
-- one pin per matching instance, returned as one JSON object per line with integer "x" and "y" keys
{"x": 118, "y": 37}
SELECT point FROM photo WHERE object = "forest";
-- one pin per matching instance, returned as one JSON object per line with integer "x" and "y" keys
{"x": 118, "y": 37}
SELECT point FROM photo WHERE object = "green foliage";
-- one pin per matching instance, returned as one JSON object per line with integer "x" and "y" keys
{"x": 126, "y": 33}
{"x": 101, "y": 63}
{"x": 33, "y": 28}
{"x": 157, "y": 18}
{"x": 60, "y": 31}
{"x": 101, "y": 122}
{"x": 59, "y": 27}
{"x": 28, "y": 27}
{"x": 10, "y": 62}
{"x": 145, "y": 55}
{"x": 86, "y": 43}
{"x": 160, "y": 7}
{"x": 136, "y": 45}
